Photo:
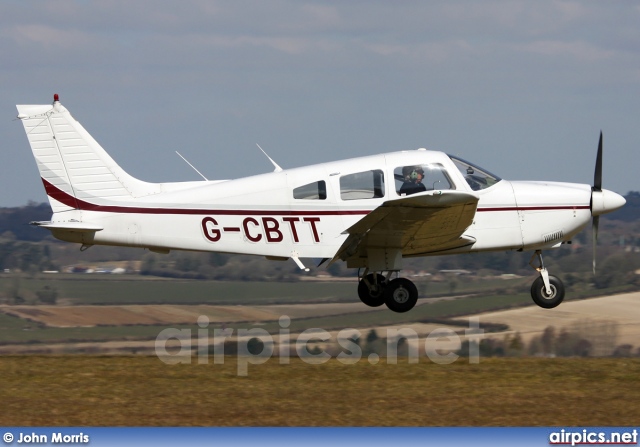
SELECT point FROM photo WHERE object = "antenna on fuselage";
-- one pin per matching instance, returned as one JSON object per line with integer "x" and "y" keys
{"x": 193, "y": 167}
{"x": 277, "y": 168}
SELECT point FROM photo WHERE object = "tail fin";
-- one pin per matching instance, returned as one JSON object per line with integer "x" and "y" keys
{"x": 73, "y": 166}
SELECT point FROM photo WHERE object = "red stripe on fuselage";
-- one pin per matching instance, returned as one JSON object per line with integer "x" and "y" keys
{"x": 56, "y": 193}
{"x": 62, "y": 197}
{"x": 537, "y": 208}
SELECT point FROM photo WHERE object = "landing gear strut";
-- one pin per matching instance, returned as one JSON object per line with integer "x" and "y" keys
{"x": 399, "y": 294}
{"x": 547, "y": 291}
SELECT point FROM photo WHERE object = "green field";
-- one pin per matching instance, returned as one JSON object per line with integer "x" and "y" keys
{"x": 476, "y": 296}
{"x": 103, "y": 289}
{"x": 17, "y": 330}
{"x": 116, "y": 289}
{"x": 143, "y": 391}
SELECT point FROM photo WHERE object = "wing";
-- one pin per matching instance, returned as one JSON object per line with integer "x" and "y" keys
{"x": 415, "y": 225}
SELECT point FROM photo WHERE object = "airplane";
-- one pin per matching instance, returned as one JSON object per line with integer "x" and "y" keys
{"x": 370, "y": 212}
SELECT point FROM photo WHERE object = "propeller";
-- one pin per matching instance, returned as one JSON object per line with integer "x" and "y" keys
{"x": 597, "y": 188}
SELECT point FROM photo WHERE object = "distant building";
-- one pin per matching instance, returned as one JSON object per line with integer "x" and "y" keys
{"x": 456, "y": 272}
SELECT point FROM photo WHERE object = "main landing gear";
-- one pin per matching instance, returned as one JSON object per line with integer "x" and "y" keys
{"x": 375, "y": 289}
{"x": 547, "y": 291}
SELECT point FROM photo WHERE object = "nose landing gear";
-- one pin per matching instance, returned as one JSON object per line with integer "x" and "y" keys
{"x": 546, "y": 291}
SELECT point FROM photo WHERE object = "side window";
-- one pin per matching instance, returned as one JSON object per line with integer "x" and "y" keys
{"x": 412, "y": 179}
{"x": 311, "y": 191}
{"x": 362, "y": 185}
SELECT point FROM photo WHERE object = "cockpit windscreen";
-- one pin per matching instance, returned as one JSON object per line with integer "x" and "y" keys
{"x": 476, "y": 177}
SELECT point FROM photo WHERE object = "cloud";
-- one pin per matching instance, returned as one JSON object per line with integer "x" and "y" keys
{"x": 577, "y": 50}
{"x": 290, "y": 45}
{"x": 425, "y": 53}
{"x": 47, "y": 37}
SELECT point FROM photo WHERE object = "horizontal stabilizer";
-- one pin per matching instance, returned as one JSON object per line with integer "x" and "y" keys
{"x": 80, "y": 227}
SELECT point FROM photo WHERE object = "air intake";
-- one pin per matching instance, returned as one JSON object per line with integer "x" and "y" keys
{"x": 555, "y": 236}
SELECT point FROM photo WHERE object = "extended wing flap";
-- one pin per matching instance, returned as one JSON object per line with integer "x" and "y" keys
{"x": 418, "y": 224}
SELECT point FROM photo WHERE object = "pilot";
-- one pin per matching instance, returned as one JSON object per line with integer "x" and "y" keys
{"x": 413, "y": 176}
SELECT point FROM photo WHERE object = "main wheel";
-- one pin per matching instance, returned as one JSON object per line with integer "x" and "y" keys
{"x": 400, "y": 295}
{"x": 539, "y": 294}
{"x": 374, "y": 296}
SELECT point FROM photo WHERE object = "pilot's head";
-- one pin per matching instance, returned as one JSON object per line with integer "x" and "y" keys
{"x": 413, "y": 173}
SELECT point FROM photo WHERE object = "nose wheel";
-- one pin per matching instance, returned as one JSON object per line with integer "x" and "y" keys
{"x": 546, "y": 291}
{"x": 399, "y": 295}
{"x": 544, "y": 299}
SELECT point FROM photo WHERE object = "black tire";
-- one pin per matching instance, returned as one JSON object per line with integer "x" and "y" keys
{"x": 539, "y": 294}
{"x": 400, "y": 295}
{"x": 374, "y": 297}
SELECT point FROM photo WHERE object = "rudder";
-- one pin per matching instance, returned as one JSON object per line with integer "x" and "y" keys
{"x": 72, "y": 164}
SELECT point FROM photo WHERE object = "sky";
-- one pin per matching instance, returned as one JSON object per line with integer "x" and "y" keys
{"x": 520, "y": 88}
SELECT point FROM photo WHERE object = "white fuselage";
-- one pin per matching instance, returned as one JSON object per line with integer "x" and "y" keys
{"x": 259, "y": 215}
